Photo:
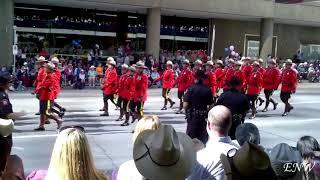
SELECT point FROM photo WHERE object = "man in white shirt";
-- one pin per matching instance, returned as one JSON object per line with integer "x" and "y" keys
{"x": 209, "y": 166}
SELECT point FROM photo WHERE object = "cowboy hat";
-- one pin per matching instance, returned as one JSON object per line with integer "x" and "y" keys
{"x": 110, "y": 59}
{"x": 41, "y": 59}
{"x": 124, "y": 66}
{"x": 250, "y": 162}
{"x": 243, "y": 58}
{"x": 256, "y": 64}
{"x": 6, "y": 127}
{"x": 55, "y": 60}
{"x": 169, "y": 63}
{"x": 112, "y": 62}
{"x": 140, "y": 64}
{"x": 132, "y": 68}
{"x": 288, "y": 61}
{"x": 260, "y": 60}
{"x": 219, "y": 62}
{"x": 281, "y": 155}
{"x": 164, "y": 154}
{"x": 238, "y": 63}
{"x": 231, "y": 60}
{"x": 272, "y": 61}
{"x": 92, "y": 67}
{"x": 186, "y": 61}
{"x": 50, "y": 66}
{"x": 198, "y": 62}
{"x": 209, "y": 63}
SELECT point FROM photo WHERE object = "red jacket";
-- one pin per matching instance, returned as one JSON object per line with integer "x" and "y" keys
{"x": 289, "y": 80}
{"x": 121, "y": 84}
{"x": 110, "y": 83}
{"x": 127, "y": 87}
{"x": 271, "y": 79}
{"x": 211, "y": 82}
{"x": 255, "y": 83}
{"x": 40, "y": 77}
{"x": 57, "y": 77}
{"x": 141, "y": 87}
{"x": 46, "y": 89}
{"x": 229, "y": 73}
{"x": 247, "y": 70}
{"x": 220, "y": 77}
{"x": 262, "y": 71}
{"x": 240, "y": 76}
{"x": 167, "y": 79}
{"x": 184, "y": 80}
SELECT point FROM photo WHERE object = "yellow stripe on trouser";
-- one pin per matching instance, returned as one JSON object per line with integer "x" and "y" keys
{"x": 122, "y": 104}
{"x": 141, "y": 109}
{"x": 48, "y": 108}
{"x": 115, "y": 99}
{"x": 127, "y": 108}
{"x": 167, "y": 93}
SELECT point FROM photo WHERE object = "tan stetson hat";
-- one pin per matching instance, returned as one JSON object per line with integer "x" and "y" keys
{"x": 238, "y": 63}
{"x": 231, "y": 60}
{"x": 41, "y": 59}
{"x": 164, "y": 154}
{"x": 250, "y": 162}
{"x": 6, "y": 127}
{"x": 209, "y": 63}
{"x": 219, "y": 62}
{"x": 140, "y": 64}
{"x": 169, "y": 63}
{"x": 186, "y": 61}
{"x": 288, "y": 61}
{"x": 55, "y": 60}
{"x": 112, "y": 62}
{"x": 110, "y": 59}
{"x": 256, "y": 63}
{"x": 50, "y": 66}
{"x": 198, "y": 62}
{"x": 132, "y": 68}
{"x": 124, "y": 66}
{"x": 260, "y": 60}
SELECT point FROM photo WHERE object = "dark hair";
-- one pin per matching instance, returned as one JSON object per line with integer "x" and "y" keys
{"x": 307, "y": 145}
{"x": 234, "y": 82}
{"x": 247, "y": 132}
{"x": 200, "y": 75}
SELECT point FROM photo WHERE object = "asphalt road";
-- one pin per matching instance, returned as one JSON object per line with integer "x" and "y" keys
{"x": 111, "y": 144}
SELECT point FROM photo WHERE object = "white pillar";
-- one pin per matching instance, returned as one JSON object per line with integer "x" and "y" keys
{"x": 266, "y": 37}
{"x": 6, "y": 32}
{"x": 153, "y": 31}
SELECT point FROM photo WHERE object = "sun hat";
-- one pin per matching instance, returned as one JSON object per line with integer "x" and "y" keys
{"x": 140, "y": 64}
{"x": 50, "y": 66}
{"x": 55, "y": 60}
{"x": 198, "y": 62}
{"x": 250, "y": 162}
{"x": 164, "y": 154}
{"x": 6, "y": 127}
{"x": 41, "y": 59}
{"x": 169, "y": 63}
{"x": 282, "y": 155}
{"x": 231, "y": 60}
{"x": 209, "y": 63}
{"x": 124, "y": 66}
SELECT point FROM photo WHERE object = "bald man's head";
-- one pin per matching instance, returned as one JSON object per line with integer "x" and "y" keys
{"x": 220, "y": 119}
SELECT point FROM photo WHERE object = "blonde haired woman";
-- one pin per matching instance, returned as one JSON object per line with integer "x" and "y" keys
{"x": 128, "y": 170}
{"x": 71, "y": 158}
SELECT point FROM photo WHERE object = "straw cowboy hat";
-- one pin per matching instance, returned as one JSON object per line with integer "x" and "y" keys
{"x": 140, "y": 64}
{"x": 209, "y": 63}
{"x": 50, "y": 66}
{"x": 55, "y": 60}
{"x": 6, "y": 127}
{"x": 41, "y": 59}
{"x": 169, "y": 63}
{"x": 250, "y": 162}
{"x": 164, "y": 154}
{"x": 281, "y": 155}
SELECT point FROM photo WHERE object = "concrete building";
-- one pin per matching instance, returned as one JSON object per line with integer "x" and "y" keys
{"x": 254, "y": 27}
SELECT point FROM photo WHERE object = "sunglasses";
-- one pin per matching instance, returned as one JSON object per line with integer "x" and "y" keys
{"x": 75, "y": 127}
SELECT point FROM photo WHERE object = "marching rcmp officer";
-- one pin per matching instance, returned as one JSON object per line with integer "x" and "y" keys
{"x": 167, "y": 83}
{"x": 127, "y": 92}
{"x": 239, "y": 75}
{"x": 110, "y": 85}
{"x": 246, "y": 68}
{"x": 211, "y": 80}
{"x": 184, "y": 82}
{"x": 229, "y": 73}
{"x": 254, "y": 88}
{"x": 220, "y": 75}
{"x": 289, "y": 82}
{"x": 196, "y": 101}
{"x": 262, "y": 71}
{"x": 121, "y": 89}
{"x": 271, "y": 82}
{"x": 41, "y": 62}
{"x": 140, "y": 90}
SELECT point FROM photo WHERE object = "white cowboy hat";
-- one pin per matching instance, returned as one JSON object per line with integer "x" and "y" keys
{"x": 51, "y": 66}
{"x": 238, "y": 63}
{"x": 55, "y": 60}
{"x": 209, "y": 63}
{"x": 198, "y": 62}
{"x": 164, "y": 154}
{"x": 169, "y": 63}
{"x": 132, "y": 68}
{"x": 6, "y": 127}
{"x": 110, "y": 59}
{"x": 112, "y": 62}
{"x": 92, "y": 67}
{"x": 186, "y": 61}
{"x": 220, "y": 62}
{"x": 288, "y": 61}
{"x": 41, "y": 59}
{"x": 124, "y": 66}
{"x": 140, "y": 64}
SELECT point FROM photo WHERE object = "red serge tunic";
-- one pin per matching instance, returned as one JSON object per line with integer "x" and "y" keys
{"x": 289, "y": 80}
{"x": 220, "y": 76}
{"x": 46, "y": 89}
{"x": 110, "y": 83}
{"x": 184, "y": 80}
{"x": 167, "y": 79}
{"x": 141, "y": 87}
{"x": 255, "y": 83}
{"x": 127, "y": 88}
{"x": 271, "y": 79}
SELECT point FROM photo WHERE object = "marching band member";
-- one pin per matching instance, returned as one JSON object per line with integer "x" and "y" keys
{"x": 271, "y": 82}
{"x": 254, "y": 87}
{"x": 110, "y": 85}
{"x": 167, "y": 83}
{"x": 184, "y": 82}
{"x": 289, "y": 82}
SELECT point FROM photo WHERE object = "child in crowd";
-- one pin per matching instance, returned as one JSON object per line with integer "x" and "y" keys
{"x": 99, "y": 71}
{"x": 92, "y": 76}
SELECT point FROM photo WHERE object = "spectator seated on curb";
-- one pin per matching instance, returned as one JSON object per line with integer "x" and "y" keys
{"x": 286, "y": 162}
{"x": 128, "y": 170}
{"x": 250, "y": 162}
{"x": 209, "y": 165}
{"x": 247, "y": 132}
{"x": 71, "y": 158}
{"x": 164, "y": 154}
